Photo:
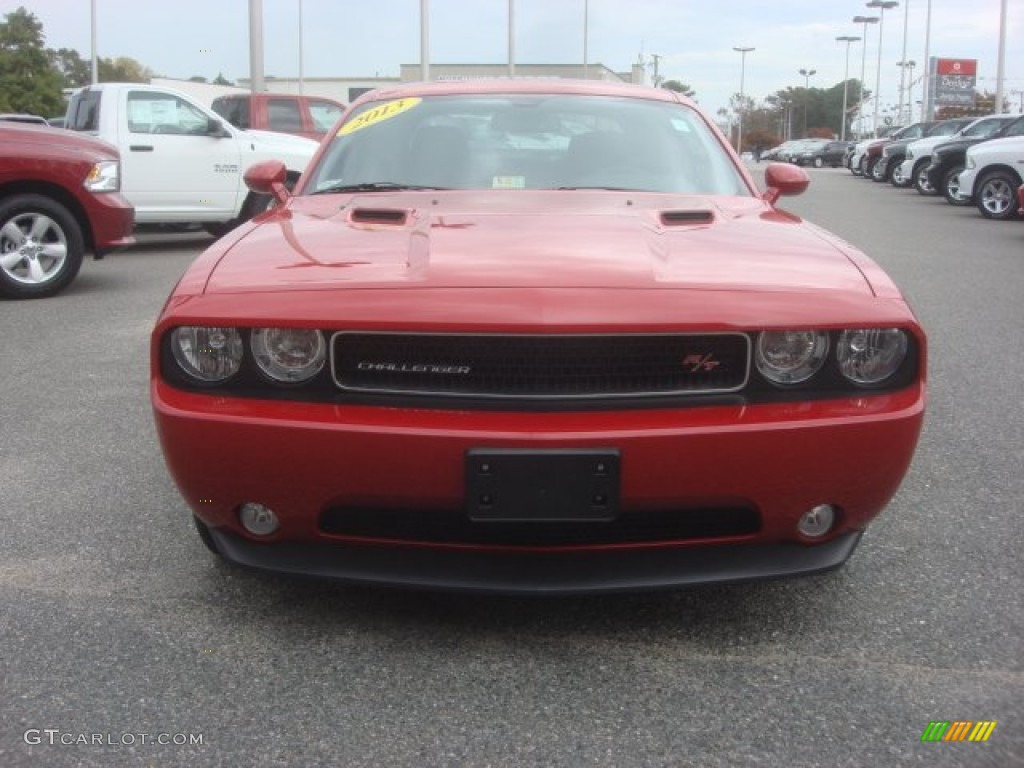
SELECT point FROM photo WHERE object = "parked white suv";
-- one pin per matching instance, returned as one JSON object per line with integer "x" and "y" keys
{"x": 181, "y": 162}
{"x": 992, "y": 173}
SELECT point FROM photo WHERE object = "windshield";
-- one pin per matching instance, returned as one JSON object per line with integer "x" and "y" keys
{"x": 526, "y": 141}
{"x": 984, "y": 128}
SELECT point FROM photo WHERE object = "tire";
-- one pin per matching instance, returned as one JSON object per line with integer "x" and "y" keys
{"x": 996, "y": 195}
{"x": 921, "y": 183}
{"x": 896, "y": 178}
{"x": 818, "y": 162}
{"x": 857, "y": 170}
{"x": 47, "y": 255}
{"x": 869, "y": 167}
{"x": 204, "y": 534}
{"x": 951, "y": 187}
{"x": 880, "y": 171}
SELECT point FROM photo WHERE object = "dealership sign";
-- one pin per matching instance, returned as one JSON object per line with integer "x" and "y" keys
{"x": 953, "y": 81}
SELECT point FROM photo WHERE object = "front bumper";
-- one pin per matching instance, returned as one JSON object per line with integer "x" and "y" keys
{"x": 111, "y": 219}
{"x": 305, "y": 460}
{"x": 968, "y": 176}
{"x": 538, "y": 573}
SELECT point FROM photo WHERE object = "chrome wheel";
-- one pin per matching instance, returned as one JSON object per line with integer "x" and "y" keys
{"x": 921, "y": 183}
{"x": 997, "y": 196}
{"x": 41, "y": 247}
{"x": 952, "y": 188}
{"x": 33, "y": 248}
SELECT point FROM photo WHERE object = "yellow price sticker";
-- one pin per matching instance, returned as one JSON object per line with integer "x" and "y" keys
{"x": 378, "y": 114}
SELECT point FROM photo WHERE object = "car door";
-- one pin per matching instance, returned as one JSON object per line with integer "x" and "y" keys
{"x": 174, "y": 170}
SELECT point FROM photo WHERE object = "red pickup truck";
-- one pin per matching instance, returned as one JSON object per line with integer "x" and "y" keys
{"x": 59, "y": 199}
{"x": 309, "y": 116}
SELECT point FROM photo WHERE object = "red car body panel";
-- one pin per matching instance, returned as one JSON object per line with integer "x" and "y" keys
{"x": 50, "y": 159}
{"x": 535, "y": 262}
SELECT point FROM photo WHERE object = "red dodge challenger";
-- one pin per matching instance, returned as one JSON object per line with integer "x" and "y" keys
{"x": 534, "y": 337}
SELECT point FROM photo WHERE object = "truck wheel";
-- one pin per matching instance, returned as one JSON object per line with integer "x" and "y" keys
{"x": 41, "y": 247}
{"x": 920, "y": 178}
{"x": 951, "y": 187}
{"x": 997, "y": 195}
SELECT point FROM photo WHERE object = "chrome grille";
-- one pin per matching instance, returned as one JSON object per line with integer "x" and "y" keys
{"x": 540, "y": 366}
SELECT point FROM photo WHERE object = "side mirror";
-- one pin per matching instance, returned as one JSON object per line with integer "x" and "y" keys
{"x": 784, "y": 179}
{"x": 268, "y": 178}
{"x": 216, "y": 129}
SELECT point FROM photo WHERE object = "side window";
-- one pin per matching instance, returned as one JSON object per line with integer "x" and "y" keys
{"x": 83, "y": 112}
{"x": 154, "y": 112}
{"x": 283, "y": 115}
{"x": 1016, "y": 128}
{"x": 324, "y": 114}
{"x": 235, "y": 111}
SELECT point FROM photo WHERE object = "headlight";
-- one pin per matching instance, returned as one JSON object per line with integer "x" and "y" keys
{"x": 103, "y": 177}
{"x": 207, "y": 354}
{"x": 871, "y": 355}
{"x": 289, "y": 355}
{"x": 790, "y": 357}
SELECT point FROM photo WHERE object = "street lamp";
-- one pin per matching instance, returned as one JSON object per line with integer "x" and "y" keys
{"x": 882, "y": 6}
{"x": 865, "y": 20}
{"x": 743, "y": 69}
{"x": 807, "y": 78}
{"x": 905, "y": 65}
{"x": 846, "y": 78}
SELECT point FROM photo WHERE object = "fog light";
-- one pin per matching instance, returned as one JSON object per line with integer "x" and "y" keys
{"x": 817, "y": 521}
{"x": 257, "y": 519}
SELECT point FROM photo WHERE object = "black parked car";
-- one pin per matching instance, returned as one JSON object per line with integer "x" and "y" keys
{"x": 948, "y": 159}
{"x": 830, "y": 153}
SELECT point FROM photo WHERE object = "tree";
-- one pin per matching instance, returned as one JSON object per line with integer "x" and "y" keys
{"x": 678, "y": 87}
{"x": 29, "y": 80}
{"x": 123, "y": 69}
{"x": 221, "y": 80}
{"x": 74, "y": 70}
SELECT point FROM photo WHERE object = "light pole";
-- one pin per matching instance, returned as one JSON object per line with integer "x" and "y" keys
{"x": 905, "y": 65}
{"x": 865, "y": 20}
{"x": 846, "y": 79}
{"x": 807, "y": 94}
{"x": 743, "y": 69}
{"x": 902, "y": 63}
{"x": 882, "y": 6}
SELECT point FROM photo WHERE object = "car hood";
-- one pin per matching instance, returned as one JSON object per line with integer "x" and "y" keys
{"x": 924, "y": 146}
{"x": 535, "y": 239}
{"x": 72, "y": 141}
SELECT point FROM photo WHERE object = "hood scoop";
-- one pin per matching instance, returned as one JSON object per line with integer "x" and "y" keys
{"x": 396, "y": 217}
{"x": 686, "y": 218}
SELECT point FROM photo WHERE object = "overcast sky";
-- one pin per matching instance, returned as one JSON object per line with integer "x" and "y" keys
{"x": 695, "y": 38}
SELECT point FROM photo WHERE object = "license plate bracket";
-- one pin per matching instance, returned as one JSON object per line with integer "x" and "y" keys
{"x": 560, "y": 485}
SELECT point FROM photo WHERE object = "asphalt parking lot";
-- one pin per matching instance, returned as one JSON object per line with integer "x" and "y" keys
{"x": 117, "y": 623}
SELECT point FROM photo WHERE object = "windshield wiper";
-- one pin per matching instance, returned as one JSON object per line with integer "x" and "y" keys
{"x": 373, "y": 186}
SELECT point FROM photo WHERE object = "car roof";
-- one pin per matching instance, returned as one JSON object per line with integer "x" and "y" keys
{"x": 524, "y": 86}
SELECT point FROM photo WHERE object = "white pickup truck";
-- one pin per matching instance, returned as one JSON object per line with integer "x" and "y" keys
{"x": 994, "y": 170}
{"x": 180, "y": 162}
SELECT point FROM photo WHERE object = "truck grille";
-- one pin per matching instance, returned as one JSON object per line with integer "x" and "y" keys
{"x": 540, "y": 366}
